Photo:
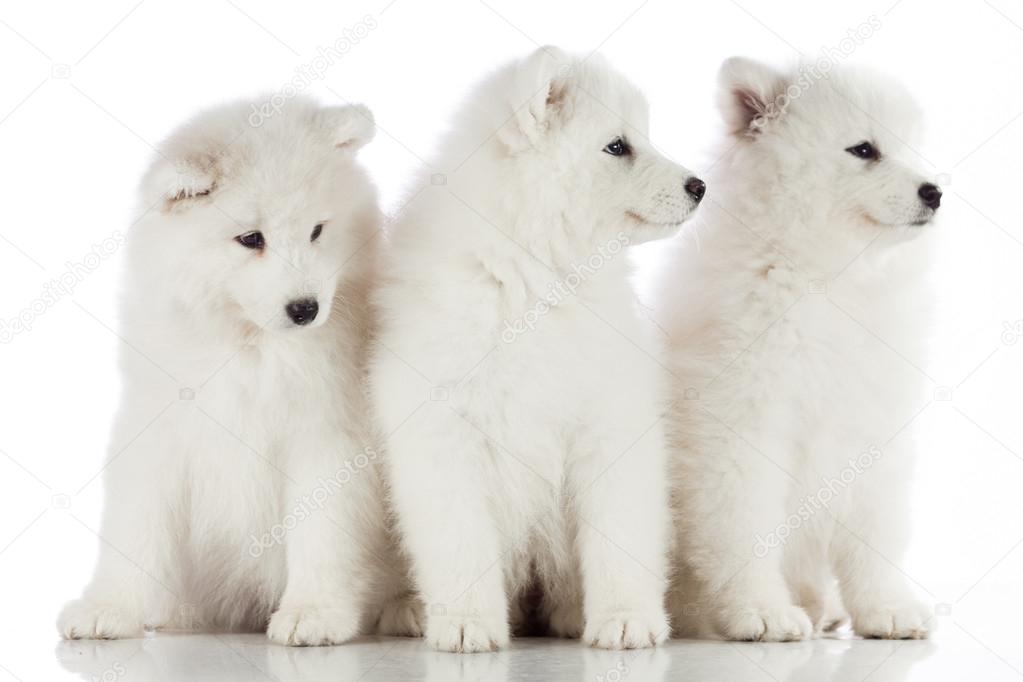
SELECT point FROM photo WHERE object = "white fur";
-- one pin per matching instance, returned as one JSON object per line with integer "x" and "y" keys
{"x": 795, "y": 319}
{"x": 540, "y": 456}
{"x": 234, "y": 421}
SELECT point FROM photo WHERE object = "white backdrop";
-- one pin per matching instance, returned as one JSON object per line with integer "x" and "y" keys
{"x": 89, "y": 88}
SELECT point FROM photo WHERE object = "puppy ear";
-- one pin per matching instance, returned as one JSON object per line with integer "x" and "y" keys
{"x": 537, "y": 96}
{"x": 747, "y": 93}
{"x": 350, "y": 126}
{"x": 175, "y": 180}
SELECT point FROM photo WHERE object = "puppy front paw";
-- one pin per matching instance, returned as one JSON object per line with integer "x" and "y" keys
{"x": 626, "y": 630}
{"x": 89, "y": 619}
{"x": 402, "y": 617}
{"x": 777, "y": 623}
{"x": 905, "y": 620}
{"x": 313, "y": 625}
{"x": 465, "y": 634}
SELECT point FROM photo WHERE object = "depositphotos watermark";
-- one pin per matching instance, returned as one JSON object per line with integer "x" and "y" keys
{"x": 815, "y": 71}
{"x": 310, "y": 503}
{"x": 561, "y": 289}
{"x": 61, "y": 287}
{"x": 312, "y": 71}
{"x": 818, "y": 500}
{"x": 616, "y": 674}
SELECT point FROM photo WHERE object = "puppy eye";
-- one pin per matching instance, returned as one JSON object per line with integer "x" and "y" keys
{"x": 864, "y": 150}
{"x": 251, "y": 240}
{"x": 316, "y": 232}
{"x": 618, "y": 147}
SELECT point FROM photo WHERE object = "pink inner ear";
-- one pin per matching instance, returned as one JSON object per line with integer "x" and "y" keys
{"x": 344, "y": 145}
{"x": 750, "y": 102}
{"x": 187, "y": 194}
{"x": 190, "y": 185}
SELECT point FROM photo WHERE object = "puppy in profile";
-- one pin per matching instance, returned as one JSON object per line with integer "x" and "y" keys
{"x": 525, "y": 445}
{"x": 243, "y": 486}
{"x": 795, "y": 323}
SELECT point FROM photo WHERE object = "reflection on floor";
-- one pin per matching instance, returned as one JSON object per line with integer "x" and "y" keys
{"x": 951, "y": 656}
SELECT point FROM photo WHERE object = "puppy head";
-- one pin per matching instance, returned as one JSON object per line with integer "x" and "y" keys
{"x": 842, "y": 139}
{"x": 585, "y": 127}
{"x": 261, "y": 215}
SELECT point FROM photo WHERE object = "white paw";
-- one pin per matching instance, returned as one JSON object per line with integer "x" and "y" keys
{"x": 908, "y": 620}
{"x": 780, "y": 623}
{"x": 626, "y": 630}
{"x": 87, "y": 619}
{"x": 463, "y": 634}
{"x": 313, "y": 625}
{"x": 402, "y": 618}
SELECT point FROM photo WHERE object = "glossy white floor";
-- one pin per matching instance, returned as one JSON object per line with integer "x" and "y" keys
{"x": 953, "y": 654}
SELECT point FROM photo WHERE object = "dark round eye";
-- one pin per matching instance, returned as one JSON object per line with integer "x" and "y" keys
{"x": 864, "y": 150}
{"x": 316, "y": 232}
{"x": 251, "y": 240}
{"x": 617, "y": 147}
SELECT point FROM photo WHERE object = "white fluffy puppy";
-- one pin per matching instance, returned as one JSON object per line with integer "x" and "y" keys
{"x": 242, "y": 481}
{"x": 523, "y": 421}
{"x": 795, "y": 321}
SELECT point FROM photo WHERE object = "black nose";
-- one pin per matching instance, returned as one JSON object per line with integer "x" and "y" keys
{"x": 695, "y": 187}
{"x": 930, "y": 195}
{"x": 302, "y": 311}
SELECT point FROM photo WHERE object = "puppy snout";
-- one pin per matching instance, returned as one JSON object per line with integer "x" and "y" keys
{"x": 302, "y": 311}
{"x": 695, "y": 187}
{"x": 930, "y": 195}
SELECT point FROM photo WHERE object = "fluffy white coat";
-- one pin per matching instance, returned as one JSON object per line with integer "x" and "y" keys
{"x": 522, "y": 418}
{"x": 795, "y": 316}
{"x": 242, "y": 486}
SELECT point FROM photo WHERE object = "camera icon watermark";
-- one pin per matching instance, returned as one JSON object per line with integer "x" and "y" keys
{"x": 1012, "y": 332}
{"x": 439, "y": 394}
{"x": 186, "y": 393}
{"x": 189, "y": 616}
{"x": 818, "y": 286}
{"x": 438, "y": 179}
{"x": 60, "y": 501}
{"x": 60, "y": 71}
{"x": 943, "y": 394}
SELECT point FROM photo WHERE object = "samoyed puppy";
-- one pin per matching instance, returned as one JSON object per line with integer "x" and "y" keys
{"x": 525, "y": 447}
{"x": 243, "y": 487}
{"x": 795, "y": 318}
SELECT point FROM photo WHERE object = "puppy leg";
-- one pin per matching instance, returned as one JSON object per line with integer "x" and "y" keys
{"x": 808, "y": 570}
{"x": 134, "y": 584}
{"x": 402, "y": 616}
{"x": 438, "y": 466}
{"x": 327, "y": 552}
{"x": 564, "y": 606}
{"x": 731, "y": 497}
{"x": 622, "y": 540}
{"x": 561, "y": 581}
{"x": 684, "y": 609}
{"x": 401, "y": 611}
{"x": 868, "y": 544}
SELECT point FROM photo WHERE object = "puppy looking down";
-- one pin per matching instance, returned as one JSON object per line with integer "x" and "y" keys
{"x": 525, "y": 445}
{"x": 795, "y": 320}
{"x": 242, "y": 485}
